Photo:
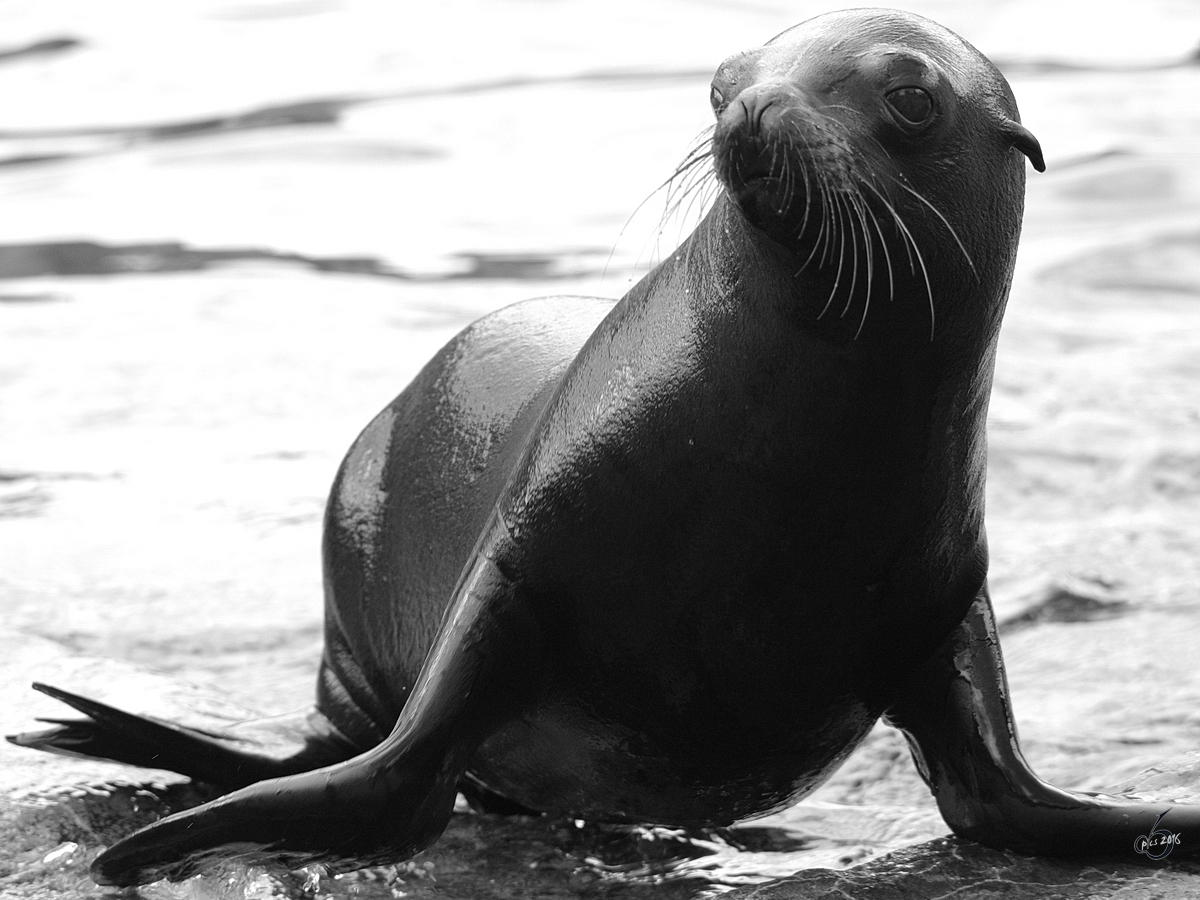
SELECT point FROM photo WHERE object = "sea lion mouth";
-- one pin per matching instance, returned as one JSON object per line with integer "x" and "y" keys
{"x": 750, "y": 184}
{"x": 766, "y": 199}
{"x": 779, "y": 178}
{"x": 759, "y": 199}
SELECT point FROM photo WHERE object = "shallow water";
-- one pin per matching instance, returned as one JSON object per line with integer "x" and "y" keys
{"x": 232, "y": 232}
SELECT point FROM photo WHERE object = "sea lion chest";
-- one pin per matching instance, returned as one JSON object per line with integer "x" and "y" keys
{"x": 719, "y": 522}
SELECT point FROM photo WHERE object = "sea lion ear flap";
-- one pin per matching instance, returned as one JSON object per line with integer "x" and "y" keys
{"x": 1022, "y": 138}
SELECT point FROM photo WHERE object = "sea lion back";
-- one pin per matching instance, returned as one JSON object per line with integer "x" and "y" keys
{"x": 413, "y": 495}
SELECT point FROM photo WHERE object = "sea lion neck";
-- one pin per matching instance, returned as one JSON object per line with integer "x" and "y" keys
{"x": 731, "y": 269}
{"x": 756, "y": 320}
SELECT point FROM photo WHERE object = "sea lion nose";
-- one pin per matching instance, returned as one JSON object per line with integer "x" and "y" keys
{"x": 756, "y": 105}
{"x": 767, "y": 116}
{"x": 748, "y": 109}
{"x": 747, "y": 141}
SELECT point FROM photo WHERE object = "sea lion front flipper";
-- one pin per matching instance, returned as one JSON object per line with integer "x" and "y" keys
{"x": 390, "y": 802}
{"x": 240, "y": 755}
{"x": 958, "y": 720}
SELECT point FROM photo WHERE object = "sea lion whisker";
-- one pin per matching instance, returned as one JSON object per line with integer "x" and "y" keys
{"x": 687, "y": 175}
{"x": 682, "y": 184}
{"x": 819, "y": 238}
{"x": 878, "y": 143}
{"x": 841, "y": 238}
{"x": 774, "y": 145}
{"x": 706, "y": 195}
{"x": 799, "y": 182}
{"x": 911, "y": 241}
{"x": 887, "y": 256}
{"x": 859, "y": 205}
{"x": 928, "y": 287}
{"x": 699, "y": 152}
{"x": 827, "y": 221}
{"x": 937, "y": 212}
{"x": 698, "y": 155}
{"x": 808, "y": 205}
{"x": 846, "y": 202}
{"x": 857, "y": 114}
{"x": 701, "y": 195}
{"x": 696, "y": 188}
{"x": 800, "y": 178}
{"x": 702, "y": 188}
{"x": 864, "y": 216}
{"x": 908, "y": 241}
{"x": 863, "y": 321}
{"x": 816, "y": 243}
{"x": 808, "y": 259}
{"x": 690, "y": 248}
{"x": 837, "y": 229}
{"x": 905, "y": 237}
{"x": 924, "y": 274}
{"x": 795, "y": 177}
{"x": 685, "y": 191}
{"x": 788, "y": 185}
{"x": 829, "y": 300}
{"x": 788, "y": 179}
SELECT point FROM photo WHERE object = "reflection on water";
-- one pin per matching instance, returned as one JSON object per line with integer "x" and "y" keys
{"x": 77, "y": 258}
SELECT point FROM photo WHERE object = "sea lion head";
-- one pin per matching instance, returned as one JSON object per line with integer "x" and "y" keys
{"x": 883, "y": 153}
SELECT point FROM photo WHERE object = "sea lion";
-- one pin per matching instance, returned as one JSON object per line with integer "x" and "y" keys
{"x": 669, "y": 560}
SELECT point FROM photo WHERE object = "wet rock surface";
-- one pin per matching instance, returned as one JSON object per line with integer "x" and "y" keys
{"x": 233, "y": 231}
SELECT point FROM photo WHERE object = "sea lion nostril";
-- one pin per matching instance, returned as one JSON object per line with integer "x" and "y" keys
{"x": 756, "y": 109}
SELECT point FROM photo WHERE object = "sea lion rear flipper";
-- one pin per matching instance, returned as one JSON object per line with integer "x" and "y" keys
{"x": 247, "y": 752}
{"x": 390, "y": 802}
{"x": 958, "y": 720}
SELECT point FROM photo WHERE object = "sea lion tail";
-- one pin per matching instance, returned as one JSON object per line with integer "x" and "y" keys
{"x": 248, "y": 752}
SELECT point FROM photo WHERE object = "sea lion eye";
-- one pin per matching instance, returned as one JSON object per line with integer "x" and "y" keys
{"x": 913, "y": 105}
{"x": 716, "y": 98}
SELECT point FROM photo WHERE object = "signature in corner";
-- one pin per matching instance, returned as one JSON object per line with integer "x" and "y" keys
{"x": 1159, "y": 842}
